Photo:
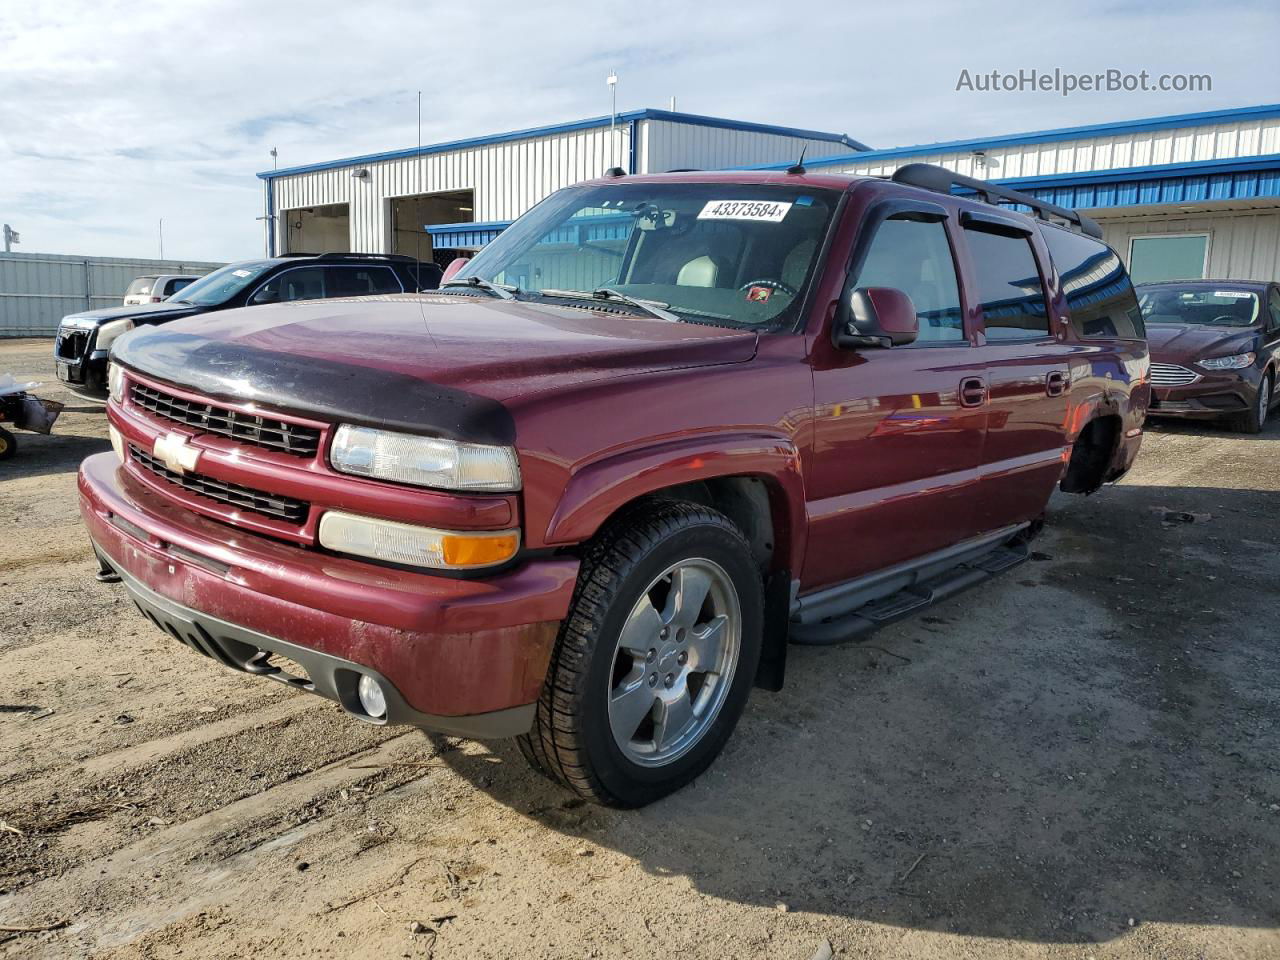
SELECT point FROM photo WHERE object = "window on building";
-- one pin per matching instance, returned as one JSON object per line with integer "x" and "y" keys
{"x": 1009, "y": 286}
{"x": 1099, "y": 294}
{"x": 913, "y": 256}
{"x": 1169, "y": 257}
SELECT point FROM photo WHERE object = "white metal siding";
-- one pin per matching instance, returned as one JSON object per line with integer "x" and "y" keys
{"x": 1243, "y": 245}
{"x": 508, "y": 178}
{"x": 38, "y": 289}
{"x": 1247, "y": 138}
{"x": 666, "y": 145}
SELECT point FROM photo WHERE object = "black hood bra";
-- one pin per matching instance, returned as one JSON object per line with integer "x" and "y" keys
{"x": 327, "y": 389}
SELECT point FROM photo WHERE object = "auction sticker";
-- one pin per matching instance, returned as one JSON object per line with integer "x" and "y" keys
{"x": 1232, "y": 294}
{"x": 763, "y": 210}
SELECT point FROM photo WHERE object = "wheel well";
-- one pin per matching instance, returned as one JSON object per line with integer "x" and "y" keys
{"x": 1092, "y": 455}
{"x": 747, "y": 501}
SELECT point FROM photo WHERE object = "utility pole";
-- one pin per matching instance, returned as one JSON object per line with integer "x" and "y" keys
{"x": 613, "y": 116}
{"x": 10, "y": 237}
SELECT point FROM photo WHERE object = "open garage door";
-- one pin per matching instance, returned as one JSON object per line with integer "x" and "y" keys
{"x": 410, "y": 216}
{"x": 323, "y": 229}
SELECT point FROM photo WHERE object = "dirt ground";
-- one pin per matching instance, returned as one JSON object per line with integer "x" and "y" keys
{"x": 1080, "y": 759}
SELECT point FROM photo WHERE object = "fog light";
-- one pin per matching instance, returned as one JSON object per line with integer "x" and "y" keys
{"x": 117, "y": 441}
{"x": 372, "y": 699}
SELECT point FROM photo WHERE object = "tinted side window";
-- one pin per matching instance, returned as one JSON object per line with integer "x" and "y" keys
{"x": 1099, "y": 294}
{"x": 361, "y": 281}
{"x": 1009, "y": 287}
{"x": 1274, "y": 303}
{"x": 913, "y": 256}
{"x": 174, "y": 285}
{"x": 303, "y": 283}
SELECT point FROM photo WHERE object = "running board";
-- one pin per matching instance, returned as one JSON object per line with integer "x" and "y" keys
{"x": 877, "y": 613}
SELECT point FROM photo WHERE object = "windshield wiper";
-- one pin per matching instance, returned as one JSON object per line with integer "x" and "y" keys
{"x": 655, "y": 308}
{"x": 504, "y": 290}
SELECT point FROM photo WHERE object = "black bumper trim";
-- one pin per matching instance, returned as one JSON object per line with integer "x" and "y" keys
{"x": 334, "y": 678}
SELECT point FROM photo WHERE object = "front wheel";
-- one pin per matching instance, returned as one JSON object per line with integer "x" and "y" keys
{"x": 1253, "y": 420}
{"x": 8, "y": 444}
{"x": 656, "y": 659}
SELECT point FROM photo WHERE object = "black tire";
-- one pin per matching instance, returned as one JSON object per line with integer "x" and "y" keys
{"x": 8, "y": 444}
{"x": 1253, "y": 419}
{"x": 571, "y": 740}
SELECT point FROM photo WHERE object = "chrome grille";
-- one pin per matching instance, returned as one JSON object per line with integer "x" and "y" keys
{"x": 230, "y": 494}
{"x": 1172, "y": 375}
{"x": 245, "y": 427}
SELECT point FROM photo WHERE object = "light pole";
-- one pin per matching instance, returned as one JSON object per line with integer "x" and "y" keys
{"x": 612, "y": 80}
{"x": 10, "y": 237}
{"x": 268, "y": 218}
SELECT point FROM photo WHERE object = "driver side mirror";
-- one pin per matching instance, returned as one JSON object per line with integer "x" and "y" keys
{"x": 877, "y": 317}
{"x": 454, "y": 267}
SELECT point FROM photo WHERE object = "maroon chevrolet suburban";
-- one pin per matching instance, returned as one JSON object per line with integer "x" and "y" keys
{"x": 586, "y": 492}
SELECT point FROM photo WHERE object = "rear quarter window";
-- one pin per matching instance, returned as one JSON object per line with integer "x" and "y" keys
{"x": 140, "y": 286}
{"x": 1096, "y": 285}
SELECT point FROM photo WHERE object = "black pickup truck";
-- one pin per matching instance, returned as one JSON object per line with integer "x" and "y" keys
{"x": 84, "y": 339}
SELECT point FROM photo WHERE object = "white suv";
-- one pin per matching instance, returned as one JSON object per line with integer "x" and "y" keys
{"x": 153, "y": 289}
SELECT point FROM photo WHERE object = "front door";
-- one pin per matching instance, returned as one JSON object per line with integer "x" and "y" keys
{"x": 897, "y": 432}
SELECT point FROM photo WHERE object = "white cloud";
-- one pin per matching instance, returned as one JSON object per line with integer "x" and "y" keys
{"x": 113, "y": 115}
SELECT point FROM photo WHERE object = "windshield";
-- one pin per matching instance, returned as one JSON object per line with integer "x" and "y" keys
{"x": 733, "y": 254}
{"x": 222, "y": 284}
{"x": 1208, "y": 306}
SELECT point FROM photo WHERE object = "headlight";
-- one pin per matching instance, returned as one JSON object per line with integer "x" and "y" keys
{"x": 424, "y": 461}
{"x": 109, "y": 332}
{"x": 115, "y": 381}
{"x": 415, "y": 546}
{"x": 1237, "y": 362}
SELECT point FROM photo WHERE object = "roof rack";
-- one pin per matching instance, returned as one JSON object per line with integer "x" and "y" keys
{"x": 398, "y": 257}
{"x": 941, "y": 180}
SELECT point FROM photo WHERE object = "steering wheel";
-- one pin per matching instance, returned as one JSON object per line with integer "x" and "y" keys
{"x": 771, "y": 284}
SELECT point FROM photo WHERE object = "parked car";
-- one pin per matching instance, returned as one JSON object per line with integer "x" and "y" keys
{"x": 586, "y": 492}
{"x": 84, "y": 339}
{"x": 1215, "y": 349}
{"x": 155, "y": 287}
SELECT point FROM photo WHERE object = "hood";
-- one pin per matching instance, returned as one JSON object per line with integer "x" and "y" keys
{"x": 418, "y": 362}
{"x": 163, "y": 310}
{"x": 1183, "y": 343}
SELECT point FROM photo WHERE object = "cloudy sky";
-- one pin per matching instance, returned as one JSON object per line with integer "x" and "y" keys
{"x": 114, "y": 115}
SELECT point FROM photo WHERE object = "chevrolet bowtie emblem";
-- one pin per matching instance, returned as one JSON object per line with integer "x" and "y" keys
{"x": 175, "y": 453}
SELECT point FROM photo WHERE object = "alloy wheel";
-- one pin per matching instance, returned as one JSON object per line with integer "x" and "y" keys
{"x": 674, "y": 662}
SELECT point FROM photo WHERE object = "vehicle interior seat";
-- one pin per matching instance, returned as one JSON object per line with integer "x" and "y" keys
{"x": 698, "y": 272}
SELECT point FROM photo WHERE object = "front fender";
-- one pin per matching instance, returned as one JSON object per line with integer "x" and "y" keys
{"x": 599, "y": 489}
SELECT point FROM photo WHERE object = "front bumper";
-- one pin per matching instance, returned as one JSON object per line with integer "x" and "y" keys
{"x": 1213, "y": 395}
{"x": 84, "y": 376}
{"x": 465, "y": 657}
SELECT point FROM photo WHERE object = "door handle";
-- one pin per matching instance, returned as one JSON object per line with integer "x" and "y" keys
{"x": 1056, "y": 383}
{"x": 973, "y": 392}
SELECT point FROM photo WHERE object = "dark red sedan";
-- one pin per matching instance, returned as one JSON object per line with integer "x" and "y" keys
{"x": 1215, "y": 349}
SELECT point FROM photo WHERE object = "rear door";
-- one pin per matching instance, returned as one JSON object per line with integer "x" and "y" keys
{"x": 896, "y": 447}
{"x": 1027, "y": 369}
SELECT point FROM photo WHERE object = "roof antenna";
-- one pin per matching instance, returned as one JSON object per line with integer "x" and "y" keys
{"x": 798, "y": 168}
